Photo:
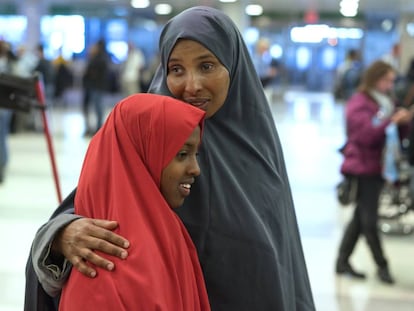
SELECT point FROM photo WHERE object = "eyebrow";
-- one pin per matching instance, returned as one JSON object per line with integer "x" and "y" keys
{"x": 201, "y": 57}
{"x": 190, "y": 145}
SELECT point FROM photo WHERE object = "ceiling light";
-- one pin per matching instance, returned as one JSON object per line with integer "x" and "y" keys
{"x": 349, "y": 8}
{"x": 163, "y": 9}
{"x": 140, "y": 4}
{"x": 254, "y": 10}
{"x": 410, "y": 29}
{"x": 387, "y": 25}
{"x": 348, "y": 12}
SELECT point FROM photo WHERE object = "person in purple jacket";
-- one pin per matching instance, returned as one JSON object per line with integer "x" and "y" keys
{"x": 368, "y": 113}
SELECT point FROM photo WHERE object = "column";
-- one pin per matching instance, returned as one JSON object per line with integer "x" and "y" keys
{"x": 33, "y": 10}
{"x": 235, "y": 10}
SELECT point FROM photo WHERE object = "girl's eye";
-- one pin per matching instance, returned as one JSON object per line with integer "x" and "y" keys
{"x": 182, "y": 155}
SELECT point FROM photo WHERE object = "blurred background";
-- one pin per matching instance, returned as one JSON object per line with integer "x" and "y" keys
{"x": 305, "y": 41}
{"x": 309, "y": 37}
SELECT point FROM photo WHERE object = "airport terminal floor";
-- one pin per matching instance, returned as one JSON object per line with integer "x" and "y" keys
{"x": 310, "y": 126}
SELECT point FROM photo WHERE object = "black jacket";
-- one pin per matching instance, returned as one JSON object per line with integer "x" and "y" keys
{"x": 35, "y": 298}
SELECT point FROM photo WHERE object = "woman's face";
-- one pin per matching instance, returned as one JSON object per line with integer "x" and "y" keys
{"x": 178, "y": 176}
{"x": 386, "y": 83}
{"x": 196, "y": 76}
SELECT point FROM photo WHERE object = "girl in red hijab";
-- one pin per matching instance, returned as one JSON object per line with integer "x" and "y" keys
{"x": 139, "y": 166}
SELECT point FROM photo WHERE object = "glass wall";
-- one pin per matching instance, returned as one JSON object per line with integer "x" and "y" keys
{"x": 63, "y": 35}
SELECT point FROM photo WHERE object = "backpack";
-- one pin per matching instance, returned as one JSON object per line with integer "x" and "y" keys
{"x": 349, "y": 81}
{"x": 352, "y": 77}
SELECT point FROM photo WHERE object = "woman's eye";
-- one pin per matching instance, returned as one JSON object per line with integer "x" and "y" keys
{"x": 207, "y": 66}
{"x": 174, "y": 69}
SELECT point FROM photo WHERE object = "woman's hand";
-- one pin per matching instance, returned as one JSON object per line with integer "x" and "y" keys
{"x": 402, "y": 116}
{"x": 79, "y": 239}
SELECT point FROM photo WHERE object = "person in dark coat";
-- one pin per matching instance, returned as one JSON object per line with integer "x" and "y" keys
{"x": 240, "y": 214}
{"x": 45, "y": 68}
{"x": 95, "y": 83}
{"x": 63, "y": 79}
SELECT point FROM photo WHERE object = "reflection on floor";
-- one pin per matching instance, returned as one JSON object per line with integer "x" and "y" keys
{"x": 311, "y": 129}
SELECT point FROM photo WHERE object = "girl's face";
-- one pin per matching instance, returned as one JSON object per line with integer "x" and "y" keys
{"x": 386, "y": 83}
{"x": 178, "y": 176}
{"x": 196, "y": 76}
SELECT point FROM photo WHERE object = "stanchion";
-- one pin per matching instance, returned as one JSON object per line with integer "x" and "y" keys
{"x": 41, "y": 98}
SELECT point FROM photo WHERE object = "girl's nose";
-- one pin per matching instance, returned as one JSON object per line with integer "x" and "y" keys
{"x": 194, "y": 168}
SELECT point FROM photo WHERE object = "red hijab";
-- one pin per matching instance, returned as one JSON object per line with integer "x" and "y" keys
{"x": 120, "y": 180}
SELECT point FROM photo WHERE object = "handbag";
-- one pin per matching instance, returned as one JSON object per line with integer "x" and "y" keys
{"x": 346, "y": 190}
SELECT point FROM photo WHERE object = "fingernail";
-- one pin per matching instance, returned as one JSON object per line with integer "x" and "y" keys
{"x": 93, "y": 274}
{"x": 126, "y": 244}
{"x": 110, "y": 266}
{"x": 124, "y": 254}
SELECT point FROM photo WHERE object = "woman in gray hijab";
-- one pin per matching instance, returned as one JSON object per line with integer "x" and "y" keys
{"x": 240, "y": 214}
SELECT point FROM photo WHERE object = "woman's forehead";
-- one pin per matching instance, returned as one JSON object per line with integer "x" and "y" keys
{"x": 190, "y": 45}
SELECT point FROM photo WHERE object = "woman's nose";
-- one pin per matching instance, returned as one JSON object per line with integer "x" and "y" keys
{"x": 192, "y": 83}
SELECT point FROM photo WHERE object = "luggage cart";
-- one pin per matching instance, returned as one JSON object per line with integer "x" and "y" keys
{"x": 25, "y": 94}
{"x": 396, "y": 203}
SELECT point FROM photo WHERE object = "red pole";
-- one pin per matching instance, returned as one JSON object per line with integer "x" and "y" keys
{"x": 41, "y": 99}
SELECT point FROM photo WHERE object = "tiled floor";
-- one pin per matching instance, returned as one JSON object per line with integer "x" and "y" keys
{"x": 311, "y": 130}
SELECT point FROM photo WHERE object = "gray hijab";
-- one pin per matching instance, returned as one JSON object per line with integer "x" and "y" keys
{"x": 240, "y": 213}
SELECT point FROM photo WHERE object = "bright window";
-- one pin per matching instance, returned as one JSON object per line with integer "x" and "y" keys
{"x": 13, "y": 29}
{"x": 64, "y": 33}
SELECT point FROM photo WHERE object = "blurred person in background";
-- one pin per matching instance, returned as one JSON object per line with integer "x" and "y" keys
{"x": 130, "y": 75}
{"x": 7, "y": 60}
{"x": 96, "y": 82}
{"x": 266, "y": 66}
{"x": 46, "y": 70}
{"x": 369, "y": 113}
{"x": 348, "y": 75}
{"x": 24, "y": 65}
{"x": 148, "y": 72}
{"x": 393, "y": 57}
{"x": 63, "y": 79}
{"x": 406, "y": 93}
{"x": 86, "y": 91}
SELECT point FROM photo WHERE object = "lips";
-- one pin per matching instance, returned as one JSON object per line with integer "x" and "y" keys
{"x": 197, "y": 102}
{"x": 185, "y": 186}
{"x": 185, "y": 189}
